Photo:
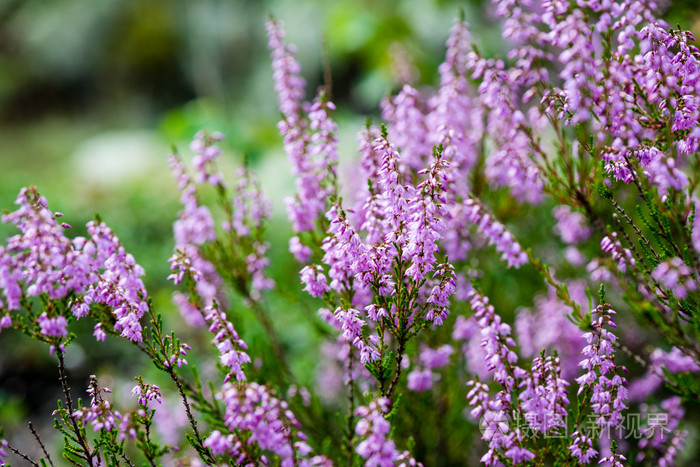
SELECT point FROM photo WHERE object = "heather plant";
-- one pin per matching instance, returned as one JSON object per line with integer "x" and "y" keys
{"x": 511, "y": 278}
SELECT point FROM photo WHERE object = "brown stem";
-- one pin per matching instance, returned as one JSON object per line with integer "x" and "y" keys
{"x": 69, "y": 402}
{"x": 159, "y": 338}
{"x": 397, "y": 375}
{"x": 634, "y": 226}
{"x": 22, "y": 455}
{"x": 127, "y": 460}
{"x": 597, "y": 223}
{"x": 351, "y": 408}
{"x": 43, "y": 448}
{"x": 640, "y": 189}
{"x": 148, "y": 442}
{"x": 632, "y": 248}
{"x": 188, "y": 410}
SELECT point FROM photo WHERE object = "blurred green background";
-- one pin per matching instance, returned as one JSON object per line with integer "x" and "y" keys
{"x": 95, "y": 93}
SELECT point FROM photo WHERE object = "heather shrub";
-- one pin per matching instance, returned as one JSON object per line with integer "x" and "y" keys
{"x": 506, "y": 274}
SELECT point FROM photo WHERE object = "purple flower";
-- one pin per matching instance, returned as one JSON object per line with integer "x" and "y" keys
{"x": 495, "y": 233}
{"x": 571, "y": 226}
{"x": 40, "y": 259}
{"x": 376, "y": 448}
{"x": 5, "y": 322}
{"x": 189, "y": 311}
{"x": 408, "y": 127}
{"x": 623, "y": 256}
{"x": 53, "y": 327}
{"x": 314, "y": 280}
{"x": 661, "y": 435}
{"x": 204, "y": 161}
{"x": 288, "y": 84}
{"x": 218, "y": 443}
{"x": 99, "y": 333}
{"x": 582, "y": 447}
{"x": 609, "y": 390}
{"x": 100, "y": 413}
{"x": 615, "y": 460}
{"x": 267, "y": 421}
{"x": 146, "y": 392}
{"x": 499, "y": 356}
{"x": 301, "y": 252}
{"x": 118, "y": 284}
{"x": 543, "y": 396}
{"x": 560, "y": 333}
{"x": 676, "y": 276}
{"x": 309, "y": 136}
{"x": 231, "y": 347}
{"x": 420, "y": 380}
{"x": 193, "y": 228}
{"x": 436, "y": 358}
{"x": 3, "y": 453}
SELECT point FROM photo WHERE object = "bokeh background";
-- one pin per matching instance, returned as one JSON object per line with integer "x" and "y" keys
{"x": 94, "y": 94}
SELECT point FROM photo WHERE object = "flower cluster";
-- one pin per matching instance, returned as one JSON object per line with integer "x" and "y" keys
{"x": 543, "y": 396}
{"x": 119, "y": 285}
{"x": 3, "y": 452}
{"x": 309, "y": 136}
{"x": 376, "y": 447}
{"x": 146, "y": 392}
{"x": 608, "y": 389}
{"x": 100, "y": 413}
{"x": 193, "y": 228}
{"x": 41, "y": 260}
{"x": 495, "y": 233}
{"x": 663, "y": 438}
{"x": 422, "y": 378}
{"x": 676, "y": 276}
{"x": 230, "y": 346}
{"x": 197, "y": 241}
{"x": 397, "y": 258}
{"x": 268, "y": 424}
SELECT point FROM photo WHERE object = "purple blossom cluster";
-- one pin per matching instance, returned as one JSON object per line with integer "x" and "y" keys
{"x": 423, "y": 376}
{"x": 231, "y": 347}
{"x": 99, "y": 413}
{"x": 267, "y": 422}
{"x": 309, "y": 136}
{"x": 3, "y": 452}
{"x": 676, "y": 276}
{"x": 571, "y": 226}
{"x": 498, "y": 412}
{"x": 495, "y": 233}
{"x": 146, "y": 392}
{"x": 41, "y": 260}
{"x": 119, "y": 284}
{"x": 398, "y": 256}
{"x": 193, "y": 228}
{"x": 608, "y": 390}
{"x": 660, "y": 361}
{"x": 662, "y": 438}
{"x": 376, "y": 447}
{"x": 543, "y": 396}
{"x": 560, "y": 333}
{"x": 496, "y": 341}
